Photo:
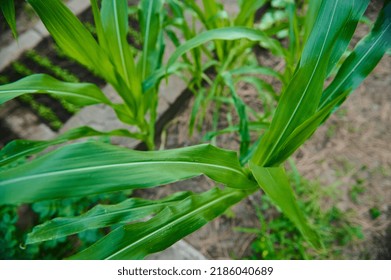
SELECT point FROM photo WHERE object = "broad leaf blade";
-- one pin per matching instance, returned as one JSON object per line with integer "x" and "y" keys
{"x": 136, "y": 241}
{"x": 100, "y": 216}
{"x": 304, "y": 131}
{"x": 274, "y": 182}
{"x": 363, "y": 59}
{"x": 77, "y": 93}
{"x": 227, "y": 33}
{"x": 115, "y": 25}
{"x": 73, "y": 37}
{"x": 343, "y": 41}
{"x": 301, "y": 98}
{"x": 90, "y": 168}
{"x": 8, "y": 9}
{"x": 22, "y": 148}
{"x": 151, "y": 25}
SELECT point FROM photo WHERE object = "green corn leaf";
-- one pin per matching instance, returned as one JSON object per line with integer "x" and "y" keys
{"x": 363, "y": 59}
{"x": 311, "y": 15}
{"x": 261, "y": 70}
{"x": 8, "y": 9}
{"x": 151, "y": 25}
{"x": 114, "y": 18}
{"x": 100, "y": 216}
{"x": 304, "y": 131}
{"x": 343, "y": 41}
{"x": 73, "y": 37}
{"x": 274, "y": 182}
{"x": 199, "y": 98}
{"x": 81, "y": 94}
{"x": 90, "y": 168}
{"x": 240, "y": 107}
{"x": 301, "y": 98}
{"x": 227, "y": 33}
{"x": 22, "y": 148}
{"x": 98, "y": 25}
{"x": 135, "y": 241}
{"x": 247, "y": 11}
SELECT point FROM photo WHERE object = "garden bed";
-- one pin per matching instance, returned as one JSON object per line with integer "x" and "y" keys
{"x": 349, "y": 157}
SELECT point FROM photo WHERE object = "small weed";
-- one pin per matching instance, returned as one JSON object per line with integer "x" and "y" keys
{"x": 375, "y": 213}
{"x": 25, "y": 71}
{"x": 356, "y": 190}
{"x": 45, "y": 62}
{"x": 278, "y": 238}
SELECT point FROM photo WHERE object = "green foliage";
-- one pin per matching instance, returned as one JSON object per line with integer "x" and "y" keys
{"x": 8, "y": 9}
{"x": 45, "y": 62}
{"x": 16, "y": 221}
{"x": 87, "y": 168}
{"x": 278, "y": 238}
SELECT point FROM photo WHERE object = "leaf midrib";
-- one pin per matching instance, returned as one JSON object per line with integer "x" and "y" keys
{"x": 79, "y": 95}
{"x": 276, "y": 143}
{"x": 357, "y": 65}
{"x": 94, "y": 168}
{"x": 146, "y": 39}
{"x": 121, "y": 50}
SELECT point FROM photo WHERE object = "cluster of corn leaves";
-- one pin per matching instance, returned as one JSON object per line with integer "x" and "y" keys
{"x": 89, "y": 168}
{"x": 109, "y": 57}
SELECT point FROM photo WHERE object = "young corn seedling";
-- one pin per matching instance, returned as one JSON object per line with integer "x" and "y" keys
{"x": 110, "y": 57}
{"x": 90, "y": 168}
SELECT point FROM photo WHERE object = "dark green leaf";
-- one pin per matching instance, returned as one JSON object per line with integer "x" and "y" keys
{"x": 8, "y": 9}
{"x": 135, "y": 241}
{"x": 301, "y": 98}
{"x": 100, "y": 216}
{"x": 362, "y": 60}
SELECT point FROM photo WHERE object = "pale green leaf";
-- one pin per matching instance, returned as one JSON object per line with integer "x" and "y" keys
{"x": 227, "y": 33}
{"x": 77, "y": 93}
{"x": 22, "y": 148}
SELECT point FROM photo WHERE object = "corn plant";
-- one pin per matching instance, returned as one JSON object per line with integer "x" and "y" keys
{"x": 85, "y": 168}
{"x": 110, "y": 57}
